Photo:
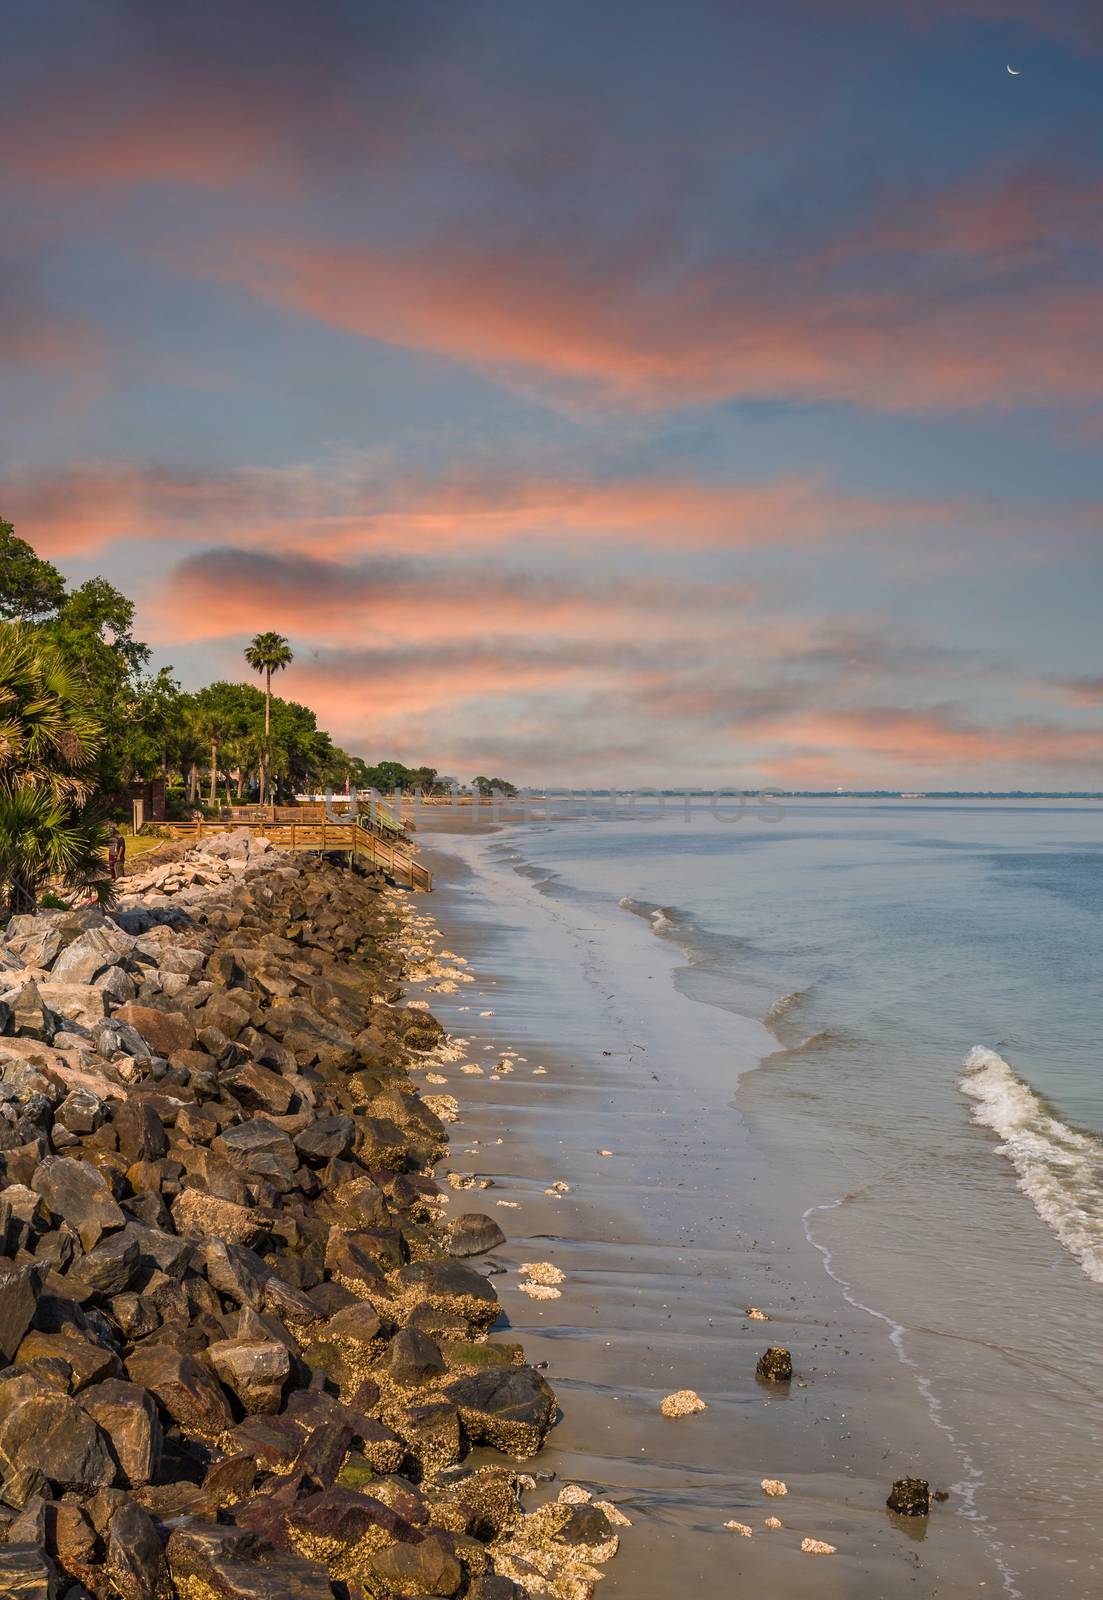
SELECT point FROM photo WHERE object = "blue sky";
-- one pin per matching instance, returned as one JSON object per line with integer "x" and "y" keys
{"x": 591, "y": 394}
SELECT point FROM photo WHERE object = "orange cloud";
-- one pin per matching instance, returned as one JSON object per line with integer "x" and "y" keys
{"x": 335, "y": 512}
{"x": 649, "y": 330}
{"x": 937, "y": 739}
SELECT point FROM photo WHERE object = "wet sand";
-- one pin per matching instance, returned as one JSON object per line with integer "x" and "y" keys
{"x": 665, "y": 1243}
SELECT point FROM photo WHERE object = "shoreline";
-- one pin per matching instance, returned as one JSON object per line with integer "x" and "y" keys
{"x": 855, "y": 1419}
{"x": 245, "y": 1332}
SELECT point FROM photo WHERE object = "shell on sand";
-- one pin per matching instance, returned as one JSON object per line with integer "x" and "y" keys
{"x": 539, "y": 1291}
{"x": 774, "y": 1486}
{"x": 542, "y": 1272}
{"x": 817, "y": 1547}
{"x": 755, "y": 1315}
{"x": 682, "y": 1403}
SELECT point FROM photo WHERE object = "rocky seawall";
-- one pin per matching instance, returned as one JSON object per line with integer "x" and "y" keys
{"x": 244, "y": 1356}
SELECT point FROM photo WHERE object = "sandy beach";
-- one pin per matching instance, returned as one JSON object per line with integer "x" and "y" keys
{"x": 662, "y": 1239}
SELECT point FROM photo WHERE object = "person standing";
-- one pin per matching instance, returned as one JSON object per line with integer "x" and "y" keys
{"x": 116, "y": 852}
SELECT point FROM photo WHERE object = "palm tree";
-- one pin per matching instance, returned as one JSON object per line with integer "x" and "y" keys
{"x": 48, "y": 741}
{"x": 47, "y": 733}
{"x": 209, "y": 727}
{"x": 267, "y": 653}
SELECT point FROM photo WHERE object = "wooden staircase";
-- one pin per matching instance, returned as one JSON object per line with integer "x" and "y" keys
{"x": 357, "y": 837}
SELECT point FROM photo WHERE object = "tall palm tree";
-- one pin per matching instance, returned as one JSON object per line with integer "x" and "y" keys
{"x": 48, "y": 741}
{"x": 268, "y": 653}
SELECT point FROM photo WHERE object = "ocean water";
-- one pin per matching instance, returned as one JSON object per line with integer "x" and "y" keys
{"x": 926, "y": 1108}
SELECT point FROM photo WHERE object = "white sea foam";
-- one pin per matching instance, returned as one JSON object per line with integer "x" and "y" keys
{"x": 1059, "y": 1169}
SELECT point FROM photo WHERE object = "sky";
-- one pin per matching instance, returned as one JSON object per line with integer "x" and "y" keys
{"x": 634, "y": 393}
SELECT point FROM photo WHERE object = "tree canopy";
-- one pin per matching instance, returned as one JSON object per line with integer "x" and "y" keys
{"x": 29, "y": 587}
{"x": 239, "y": 735}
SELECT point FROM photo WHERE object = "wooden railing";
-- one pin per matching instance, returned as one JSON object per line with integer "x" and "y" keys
{"x": 381, "y": 823}
{"x": 350, "y": 838}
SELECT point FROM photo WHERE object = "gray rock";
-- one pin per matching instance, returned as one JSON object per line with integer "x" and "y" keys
{"x": 510, "y": 1408}
{"x": 256, "y": 1370}
{"x": 27, "y": 1573}
{"x": 81, "y": 1112}
{"x": 111, "y": 1266}
{"x": 19, "y": 1291}
{"x": 257, "y": 1146}
{"x": 136, "y": 1565}
{"x": 52, "y": 1432}
{"x": 414, "y": 1357}
{"x": 128, "y": 1417}
{"x": 183, "y": 1386}
{"x": 474, "y": 1233}
{"x": 75, "y": 1192}
{"x": 79, "y": 1003}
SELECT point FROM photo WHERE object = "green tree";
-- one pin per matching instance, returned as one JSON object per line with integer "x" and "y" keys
{"x": 268, "y": 653}
{"x": 49, "y": 740}
{"x": 486, "y": 787}
{"x": 29, "y": 586}
{"x": 93, "y": 629}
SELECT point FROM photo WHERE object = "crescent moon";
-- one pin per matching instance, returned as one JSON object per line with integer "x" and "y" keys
{"x": 1014, "y": 71}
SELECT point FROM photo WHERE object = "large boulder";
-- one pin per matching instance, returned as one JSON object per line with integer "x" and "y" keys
{"x": 19, "y": 1291}
{"x": 183, "y": 1386}
{"x": 473, "y": 1234}
{"x": 510, "y": 1408}
{"x": 27, "y": 1573}
{"x": 198, "y": 1216}
{"x": 53, "y": 1433}
{"x": 75, "y": 1002}
{"x": 128, "y": 1417}
{"x": 163, "y": 1031}
{"x": 229, "y": 1563}
{"x": 256, "y": 1370}
{"x": 77, "y": 1194}
{"x": 135, "y": 1565}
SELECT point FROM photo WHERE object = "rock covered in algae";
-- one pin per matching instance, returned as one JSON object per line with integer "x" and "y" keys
{"x": 910, "y": 1497}
{"x": 682, "y": 1403}
{"x": 775, "y": 1365}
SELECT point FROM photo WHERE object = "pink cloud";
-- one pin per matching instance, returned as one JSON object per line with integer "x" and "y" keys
{"x": 335, "y": 512}
{"x": 643, "y": 328}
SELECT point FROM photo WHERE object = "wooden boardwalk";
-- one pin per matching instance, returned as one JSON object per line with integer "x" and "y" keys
{"x": 350, "y": 838}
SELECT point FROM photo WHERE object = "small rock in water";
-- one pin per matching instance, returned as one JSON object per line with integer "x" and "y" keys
{"x": 773, "y": 1522}
{"x": 775, "y": 1365}
{"x": 683, "y": 1403}
{"x": 605, "y": 1152}
{"x": 753, "y": 1313}
{"x": 910, "y": 1497}
{"x": 774, "y": 1486}
{"x": 817, "y": 1547}
{"x": 740, "y": 1527}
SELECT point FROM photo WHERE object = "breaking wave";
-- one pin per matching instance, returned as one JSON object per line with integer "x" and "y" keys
{"x": 661, "y": 918}
{"x": 1059, "y": 1169}
{"x": 785, "y": 1003}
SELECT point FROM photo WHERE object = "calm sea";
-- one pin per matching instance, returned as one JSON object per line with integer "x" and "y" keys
{"x": 932, "y": 1115}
